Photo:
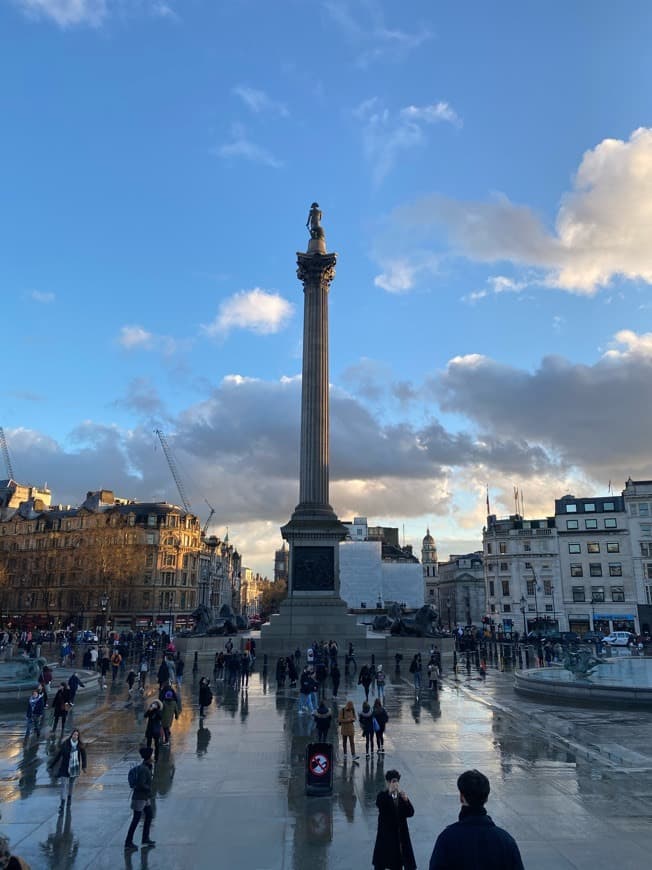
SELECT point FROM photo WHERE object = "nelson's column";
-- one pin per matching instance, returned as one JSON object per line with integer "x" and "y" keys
{"x": 313, "y": 609}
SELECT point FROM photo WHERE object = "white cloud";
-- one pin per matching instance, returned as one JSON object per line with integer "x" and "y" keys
{"x": 399, "y": 274}
{"x": 602, "y": 228}
{"x": 258, "y": 101}
{"x": 44, "y": 298}
{"x": 385, "y": 134}
{"x": 135, "y": 337}
{"x": 240, "y": 147}
{"x": 497, "y": 284}
{"x": 256, "y": 310}
{"x": 364, "y": 28}
{"x": 67, "y": 13}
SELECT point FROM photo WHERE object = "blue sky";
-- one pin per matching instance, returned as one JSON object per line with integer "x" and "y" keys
{"x": 485, "y": 173}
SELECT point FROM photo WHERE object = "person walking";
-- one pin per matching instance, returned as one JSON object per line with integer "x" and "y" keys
{"x": 73, "y": 684}
{"x": 380, "y": 682}
{"x": 380, "y": 719}
{"x": 131, "y": 679}
{"x": 364, "y": 680}
{"x": 93, "y": 656}
{"x": 154, "y": 726}
{"x": 346, "y": 721}
{"x": 141, "y": 802}
{"x": 180, "y": 667}
{"x": 475, "y": 840}
{"x": 71, "y": 759}
{"x": 60, "y": 707}
{"x": 281, "y": 670}
{"x": 205, "y": 695}
{"x": 143, "y": 670}
{"x": 335, "y": 677}
{"x": 366, "y": 724}
{"x": 323, "y": 719}
{"x": 105, "y": 664}
{"x": 34, "y": 714}
{"x": 393, "y": 847}
{"x": 169, "y": 714}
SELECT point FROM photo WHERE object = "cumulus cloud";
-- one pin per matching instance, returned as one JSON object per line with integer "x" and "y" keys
{"x": 142, "y": 397}
{"x": 601, "y": 229}
{"x": 257, "y": 310}
{"x": 385, "y": 135}
{"x": 576, "y": 411}
{"x": 495, "y": 285}
{"x": 240, "y": 147}
{"x": 259, "y": 102}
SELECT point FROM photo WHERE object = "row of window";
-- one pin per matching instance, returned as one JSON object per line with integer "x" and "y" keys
{"x": 594, "y": 547}
{"x": 589, "y": 507}
{"x": 609, "y": 523}
{"x": 532, "y": 590}
{"x": 642, "y": 509}
{"x": 598, "y": 593}
{"x": 595, "y": 569}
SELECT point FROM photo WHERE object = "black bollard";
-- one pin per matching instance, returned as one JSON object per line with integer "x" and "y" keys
{"x": 477, "y": 658}
{"x": 520, "y": 659}
{"x": 265, "y": 661}
{"x": 468, "y": 662}
{"x": 527, "y": 658}
{"x": 454, "y": 661}
{"x": 373, "y": 659}
{"x": 195, "y": 665}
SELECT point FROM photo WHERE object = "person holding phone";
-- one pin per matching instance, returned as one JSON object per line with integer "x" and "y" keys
{"x": 393, "y": 847}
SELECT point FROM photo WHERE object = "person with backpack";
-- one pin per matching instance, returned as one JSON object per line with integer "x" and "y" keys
{"x": 140, "y": 781}
{"x": 154, "y": 726}
{"x": 205, "y": 695}
{"x": 366, "y": 724}
{"x": 379, "y": 721}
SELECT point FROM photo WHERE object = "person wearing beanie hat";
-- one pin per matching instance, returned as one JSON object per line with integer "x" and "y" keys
{"x": 169, "y": 713}
{"x": 141, "y": 801}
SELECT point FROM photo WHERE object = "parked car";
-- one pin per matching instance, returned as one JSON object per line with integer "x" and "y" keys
{"x": 86, "y": 637}
{"x": 619, "y": 638}
{"x": 592, "y": 637}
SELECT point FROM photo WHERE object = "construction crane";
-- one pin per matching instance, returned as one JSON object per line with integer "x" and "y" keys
{"x": 173, "y": 468}
{"x": 210, "y": 516}
{"x": 5, "y": 454}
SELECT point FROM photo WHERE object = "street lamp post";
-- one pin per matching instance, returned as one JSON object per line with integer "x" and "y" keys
{"x": 448, "y": 607}
{"x": 523, "y": 607}
{"x": 104, "y": 604}
{"x": 536, "y": 600}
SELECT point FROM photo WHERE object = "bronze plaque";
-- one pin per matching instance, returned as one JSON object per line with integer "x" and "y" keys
{"x": 313, "y": 569}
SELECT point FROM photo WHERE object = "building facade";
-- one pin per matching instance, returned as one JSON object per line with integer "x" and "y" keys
{"x": 637, "y": 496}
{"x": 429, "y": 564}
{"x": 598, "y": 587}
{"x": 110, "y": 563}
{"x": 460, "y": 597}
{"x": 522, "y": 573}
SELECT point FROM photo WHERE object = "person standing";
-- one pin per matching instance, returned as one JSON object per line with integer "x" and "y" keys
{"x": 205, "y": 695}
{"x": 323, "y": 719}
{"x": 60, "y": 707}
{"x": 116, "y": 660}
{"x": 71, "y": 758}
{"x": 415, "y": 670}
{"x": 281, "y": 670}
{"x": 366, "y": 724}
{"x": 142, "y": 673}
{"x": 380, "y": 719}
{"x": 393, "y": 847}
{"x": 154, "y": 726}
{"x": 105, "y": 664}
{"x": 141, "y": 802}
{"x": 475, "y": 840}
{"x": 34, "y": 714}
{"x": 169, "y": 713}
{"x": 335, "y": 677}
{"x": 380, "y": 682}
{"x": 93, "y": 656}
{"x": 346, "y": 721}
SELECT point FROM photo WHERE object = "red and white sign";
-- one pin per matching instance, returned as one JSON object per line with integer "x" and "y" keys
{"x": 319, "y": 764}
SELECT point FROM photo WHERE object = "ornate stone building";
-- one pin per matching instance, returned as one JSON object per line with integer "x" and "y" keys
{"x": 108, "y": 563}
{"x": 430, "y": 564}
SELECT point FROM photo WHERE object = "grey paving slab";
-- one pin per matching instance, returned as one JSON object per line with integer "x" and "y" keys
{"x": 230, "y": 791}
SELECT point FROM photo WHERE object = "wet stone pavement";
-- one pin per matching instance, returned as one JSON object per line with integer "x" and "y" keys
{"x": 230, "y": 790}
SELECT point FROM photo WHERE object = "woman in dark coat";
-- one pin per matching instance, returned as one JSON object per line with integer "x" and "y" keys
{"x": 154, "y": 727}
{"x": 71, "y": 759}
{"x": 393, "y": 849}
{"x": 366, "y": 724}
{"x": 60, "y": 707}
{"x": 379, "y": 713}
{"x": 364, "y": 680}
{"x": 205, "y": 695}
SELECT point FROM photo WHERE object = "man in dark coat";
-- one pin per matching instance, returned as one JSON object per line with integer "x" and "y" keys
{"x": 393, "y": 849}
{"x": 475, "y": 842}
{"x": 141, "y": 802}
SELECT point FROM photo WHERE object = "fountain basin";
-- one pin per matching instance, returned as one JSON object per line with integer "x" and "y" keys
{"x": 617, "y": 681}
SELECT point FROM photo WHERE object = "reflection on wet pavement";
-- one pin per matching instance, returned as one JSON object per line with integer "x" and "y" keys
{"x": 230, "y": 789}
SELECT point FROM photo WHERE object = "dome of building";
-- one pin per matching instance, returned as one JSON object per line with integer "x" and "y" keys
{"x": 428, "y": 541}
